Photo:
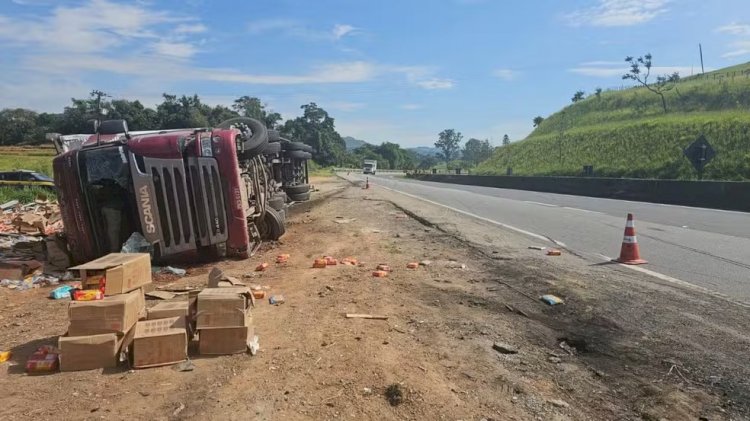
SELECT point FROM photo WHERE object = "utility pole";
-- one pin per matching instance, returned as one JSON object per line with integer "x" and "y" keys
{"x": 700, "y": 49}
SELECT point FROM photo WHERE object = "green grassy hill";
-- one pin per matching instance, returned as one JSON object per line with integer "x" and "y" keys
{"x": 627, "y": 134}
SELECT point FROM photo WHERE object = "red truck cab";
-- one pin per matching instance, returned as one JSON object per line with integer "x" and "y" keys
{"x": 182, "y": 190}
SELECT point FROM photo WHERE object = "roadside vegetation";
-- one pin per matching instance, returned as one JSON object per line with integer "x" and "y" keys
{"x": 632, "y": 133}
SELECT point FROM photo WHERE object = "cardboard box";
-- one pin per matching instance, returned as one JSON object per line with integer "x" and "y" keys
{"x": 226, "y": 340}
{"x": 17, "y": 270}
{"x": 159, "y": 342}
{"x": 79, "y": 353}
{"x": 123, "y": 272}
{"x": 168, "y": 310}
{"x": 115, "y": 314}
{"x": 223, "y": 307}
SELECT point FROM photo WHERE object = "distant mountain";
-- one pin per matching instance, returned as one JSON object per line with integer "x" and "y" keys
{"x": 425, "y": 150}
{"x": 352, "y": 143}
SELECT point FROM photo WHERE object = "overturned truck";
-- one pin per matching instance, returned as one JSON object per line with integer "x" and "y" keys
{"x": 184, "y": 193}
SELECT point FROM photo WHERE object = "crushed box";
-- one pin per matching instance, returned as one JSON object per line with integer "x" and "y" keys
{"x": 89, "y": 352}
{"x": 168, "y": 309}
{"x": 115, "y": 314}
{"x": 223, "y": 307}
{"x": 226, "y": 340}
{"x": 118, "y": 273}
{"x": 159, "y": 342}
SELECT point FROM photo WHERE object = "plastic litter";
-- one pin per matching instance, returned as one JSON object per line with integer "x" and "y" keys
{"x": 320, "y": 263}
{"x": 175, "y": 271}
{"x": 554, "y": 252}
{"x": 412, "y": 265}
{"x": 261, "y": 267}
{"x": 137, "y": 243}
{"x": 5, "y": 356}
{"x": 380, "y": 274}
{"x": 276, "y": 300}
{"x": 551, "y": 299}
{"x": 62, "y": 292}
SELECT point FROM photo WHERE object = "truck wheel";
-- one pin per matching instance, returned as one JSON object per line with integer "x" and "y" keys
{"x": 271, "y": 148}
{"x": 277, "y": 202}
{"x": 300, "y": 197}
{"x": 293, "y": 146}
{"x": 298, "y": 154}
{"x": 298, "y": 189}
{"x": 258, "y": 129}
{"x": 308, "y": 148}
{"x": 272, "y": 225}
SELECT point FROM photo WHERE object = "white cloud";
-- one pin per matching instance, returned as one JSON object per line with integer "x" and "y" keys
{"x": 339, "y": 31}
{"x": 343, "y": 105}
{"x": 734, "y": 29}
{"x": 606, "y": 69}
{"x": 505, "y": 74}
{"x": 435, "y": 83}
{"x": 191, "y": 28}
{"x": 174, "y": 49}
{"x": 410, "y": 107}
{"x": 740, "y": 48}
{"x": 610, "y": 13}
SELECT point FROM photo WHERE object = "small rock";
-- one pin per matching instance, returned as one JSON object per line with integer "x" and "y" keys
{"x": 144, "y": 394}
{"x": 398, "y": 235}
{"x": 504, "y": 348}
{"x": 555, "y": 360}
{"x": 179, "y": 409}
{"x": 367, "y": 391}
{"x": 425, "y": 263}
{"x": 559, "y": 403}
{"x": 328, "y": 287}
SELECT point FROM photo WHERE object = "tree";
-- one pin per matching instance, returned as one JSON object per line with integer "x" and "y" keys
{"x": 248, "y": 106}
{"x": 578, "y": 96}
{"x": 538, "y": 120}
{"x": 19, "y": 126}
{"x": 427, "y": 162}
{"x": 598, "y": 93}
{"x": 476, "y": 151}
{"x": 663, "y": 83}
{"x": 316, "y": 128}
{"x": 448, "y": 142}
{"x": 506, "y": 140}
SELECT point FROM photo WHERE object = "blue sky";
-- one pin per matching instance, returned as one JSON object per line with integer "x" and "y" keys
{"x": 385, "y": 70}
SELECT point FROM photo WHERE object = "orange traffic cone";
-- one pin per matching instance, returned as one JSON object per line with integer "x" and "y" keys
{"x": 367, "y": 182}
{"x": 629, "y": 253}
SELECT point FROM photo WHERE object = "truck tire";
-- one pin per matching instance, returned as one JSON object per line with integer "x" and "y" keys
{"x": 298, "y": 189}
{"x": 308, "y": 148}
{"x": 258, "y": 138}
{"x": 298, "y": 154}
{"x": 300, "y": 197}
{"x": 271, "y": 148}
{"x": 272, "y": 226}
{"x": 292, "y": 146}
{"x": 277, "y": 202}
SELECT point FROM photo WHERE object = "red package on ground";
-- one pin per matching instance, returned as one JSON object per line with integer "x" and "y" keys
{"x": 44, "y": 360}
{"x": 88, "y": 294}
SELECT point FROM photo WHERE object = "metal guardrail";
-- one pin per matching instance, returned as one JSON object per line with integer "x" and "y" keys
{"x": 355, "y": 170}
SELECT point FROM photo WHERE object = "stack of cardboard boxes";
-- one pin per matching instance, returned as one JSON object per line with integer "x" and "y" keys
{"x": 104, "y": 332}
{"x": 99, "y": 330}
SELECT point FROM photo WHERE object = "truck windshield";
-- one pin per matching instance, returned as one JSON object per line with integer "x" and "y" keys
{"x": 105, "y": 175}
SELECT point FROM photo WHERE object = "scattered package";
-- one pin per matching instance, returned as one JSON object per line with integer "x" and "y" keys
{"x": 116, "y": 273}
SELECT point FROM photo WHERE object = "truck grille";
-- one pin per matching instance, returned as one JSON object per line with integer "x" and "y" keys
{"x": 172, "y": 203}
{"x": 209, "y": 200}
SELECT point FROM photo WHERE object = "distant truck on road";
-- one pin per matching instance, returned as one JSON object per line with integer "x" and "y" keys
{"x": 370, "y": 166}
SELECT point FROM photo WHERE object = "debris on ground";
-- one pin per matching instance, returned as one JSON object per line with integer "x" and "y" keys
{"x": 425, "y": 263}
{"x": 44, "y": 360}
{"x": 412, "y": 265}
{"x": 339, "y": 220}
{"x": 160, "y": 295}
{"x": 537, "y": 248}
{"x": 504, "y": 348}
{"x": 365, "y": 316}
{"x": 452, "y": 264}
{"x": 559, "y": 403}
{"x": 320, "y": 264}
{"x": 383, "y": 267}
{"x": 351, "y": 261}
{"x": 394, "y": 394}
{"x": 380, "y": 274}
{"x": 551, "y": 299}
{"x": 62, "y": 292}
{"x": 276, "y": 299}
{"x": 554, "y": 252}
{"x": 174, "y": 271}
{"x": 136, "y": 243}
{"x": 282, "y": 258}
{"x": 261, "y": 267}
{"x": 330, "y": 261}
{"x": 217, "y": 278}
{"x": 5, "y": 356}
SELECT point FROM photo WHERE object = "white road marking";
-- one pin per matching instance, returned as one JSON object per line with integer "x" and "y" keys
{"x": 541, "y": 204}
{"x": 640, "y": 269}
{"x": 481, "y": 218}
{"x": 582, "y": 210}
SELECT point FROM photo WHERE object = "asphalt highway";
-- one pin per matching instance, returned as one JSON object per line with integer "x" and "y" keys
{"x": 703, "y": 247}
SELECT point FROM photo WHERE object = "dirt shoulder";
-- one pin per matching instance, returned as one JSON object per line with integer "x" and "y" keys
{"x": 621, "y": 347}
